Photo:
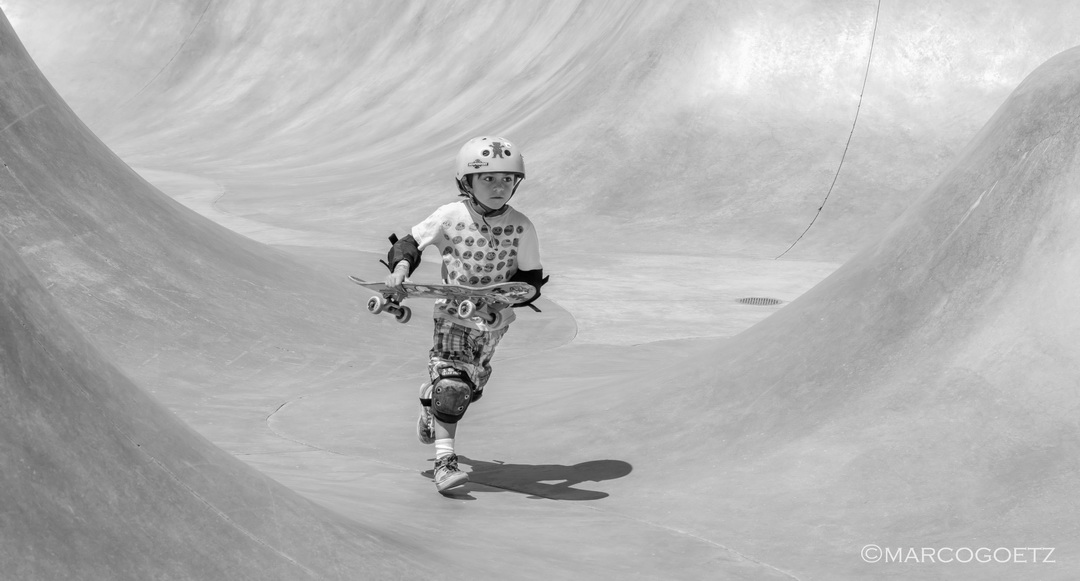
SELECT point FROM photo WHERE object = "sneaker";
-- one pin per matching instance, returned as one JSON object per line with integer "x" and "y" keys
{"x": 447, "y": 474}
{"x": 425, "y": 424}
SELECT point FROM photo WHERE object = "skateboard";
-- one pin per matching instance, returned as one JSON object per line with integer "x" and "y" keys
{"x": 466, "y": 302}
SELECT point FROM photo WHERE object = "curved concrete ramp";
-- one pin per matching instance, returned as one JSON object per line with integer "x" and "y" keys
{"x": 923, "y": 396}
{"x": 731, "y": 121}
{"x": 99, "y": 481}
{"x": 920, "y": 398}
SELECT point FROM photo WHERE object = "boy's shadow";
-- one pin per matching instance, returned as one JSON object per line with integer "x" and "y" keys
{"x": 551, "y": 481}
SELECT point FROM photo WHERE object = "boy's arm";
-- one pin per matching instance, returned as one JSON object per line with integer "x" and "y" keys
{"x": 410, "y": 247}
{"x": 535, "y": 278}
{"x": 407, "y": 249}
{"x": 530, "y": 270}
{"x": 402, "y": 260}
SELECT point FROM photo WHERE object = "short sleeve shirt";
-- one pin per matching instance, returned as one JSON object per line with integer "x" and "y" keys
{"x": 478, "y": 252}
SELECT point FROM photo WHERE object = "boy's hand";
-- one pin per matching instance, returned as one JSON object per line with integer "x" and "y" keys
{"x": 396, "y": 278}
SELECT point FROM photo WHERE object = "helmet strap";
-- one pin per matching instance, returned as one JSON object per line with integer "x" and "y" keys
{"x": 486, "y": 212}
{"x": 465, "y": 186}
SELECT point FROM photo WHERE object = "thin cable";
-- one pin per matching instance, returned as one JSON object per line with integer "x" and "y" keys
{"x": 175, "y": 54}
{"x": 866, "y": 75}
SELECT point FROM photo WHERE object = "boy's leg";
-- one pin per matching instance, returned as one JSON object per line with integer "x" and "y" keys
{"x": 447, "y": 473}
{"x": 444, "y": 438}
{"x": 448, "y": 397}
{"x": 449, "y": 400}
{"x": 452, "y": 370}
{"x": 425, "y": 428}
{"x": 484, "y": 353}
{"x": 459, "y": 369}
{"x": 481, "y": 352}
{"x": 444, "y": 431}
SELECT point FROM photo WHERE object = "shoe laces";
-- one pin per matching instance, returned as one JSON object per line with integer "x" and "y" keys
{"x": 448, "y": 463}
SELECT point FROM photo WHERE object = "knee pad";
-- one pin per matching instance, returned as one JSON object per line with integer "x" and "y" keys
{"x": 451, "y": 394}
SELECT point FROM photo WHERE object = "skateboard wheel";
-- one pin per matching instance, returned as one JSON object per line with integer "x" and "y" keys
{"x": 403, "y": 315}
{"x": 376, "y": 305}
{"x": 495, "y": 319}
{"x": 466, "y": 309}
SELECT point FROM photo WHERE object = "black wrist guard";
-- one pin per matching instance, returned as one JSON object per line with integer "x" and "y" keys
{"x": 405, "y": 249}
{"x": 535, "y": 278}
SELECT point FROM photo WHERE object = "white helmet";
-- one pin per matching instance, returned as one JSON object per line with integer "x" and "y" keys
{"x": 488, "y": 154}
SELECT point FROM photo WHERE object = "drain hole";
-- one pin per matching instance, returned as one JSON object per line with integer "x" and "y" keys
{"x": 761, "y": 302}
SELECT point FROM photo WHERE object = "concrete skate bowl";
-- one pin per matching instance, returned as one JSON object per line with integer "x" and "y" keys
{"x": 918, "y": 398}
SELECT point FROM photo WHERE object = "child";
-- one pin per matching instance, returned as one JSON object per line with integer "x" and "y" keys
{"x": 482, "y": 241}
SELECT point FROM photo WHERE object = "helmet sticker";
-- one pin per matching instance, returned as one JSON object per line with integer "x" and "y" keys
{"x": 477, "y": 164}
{"x": 498, "y": 149}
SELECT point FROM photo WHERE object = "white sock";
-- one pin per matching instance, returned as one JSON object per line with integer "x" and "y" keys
{"x": 444, "y": 447}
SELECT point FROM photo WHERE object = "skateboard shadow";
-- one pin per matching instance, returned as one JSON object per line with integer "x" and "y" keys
{"x": 551, "y": 481}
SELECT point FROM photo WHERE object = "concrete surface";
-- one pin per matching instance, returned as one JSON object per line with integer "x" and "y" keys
{"x": 195, "y": 392}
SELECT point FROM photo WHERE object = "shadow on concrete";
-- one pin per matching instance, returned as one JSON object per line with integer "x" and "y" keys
{"x": 550, "y": 481}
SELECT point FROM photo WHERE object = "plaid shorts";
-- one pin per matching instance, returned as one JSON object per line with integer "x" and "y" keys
{"x": 465, "y": 349}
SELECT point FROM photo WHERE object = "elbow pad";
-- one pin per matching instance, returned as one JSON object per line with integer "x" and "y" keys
{"x": 404, "y": 249}
{"x": 535, "y": 278}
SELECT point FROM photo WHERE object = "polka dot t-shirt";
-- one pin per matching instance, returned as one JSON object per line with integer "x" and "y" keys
{"x": 475, "y": 253}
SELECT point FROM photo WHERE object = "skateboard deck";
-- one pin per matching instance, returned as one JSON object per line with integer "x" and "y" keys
{"x": 467, "y": 302}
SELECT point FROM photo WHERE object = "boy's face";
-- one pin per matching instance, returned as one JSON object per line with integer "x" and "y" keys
{"x": 493, "y": 189}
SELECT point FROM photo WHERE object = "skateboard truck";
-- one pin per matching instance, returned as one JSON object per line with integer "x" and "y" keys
{"x": 380, "y": 303}
{"x": 466, "y": 309}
